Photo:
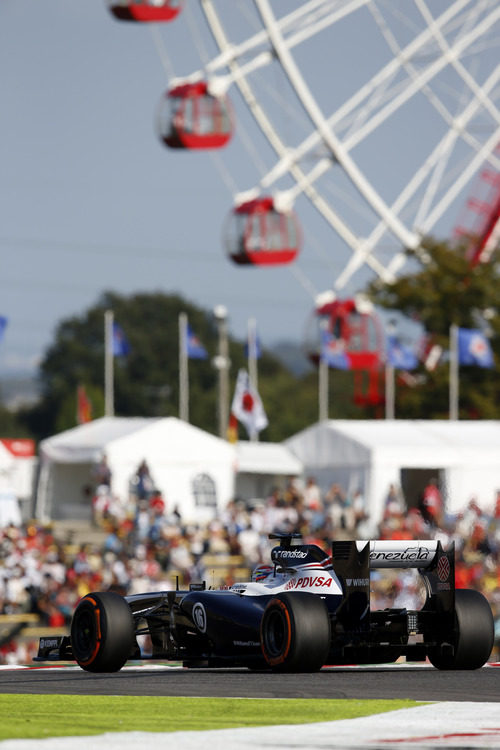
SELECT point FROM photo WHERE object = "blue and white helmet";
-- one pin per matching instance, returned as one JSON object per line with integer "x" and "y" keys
{"x": 262, "y": 572}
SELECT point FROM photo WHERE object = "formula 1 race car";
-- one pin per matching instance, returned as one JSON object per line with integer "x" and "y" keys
{"x": 304, "y": 611}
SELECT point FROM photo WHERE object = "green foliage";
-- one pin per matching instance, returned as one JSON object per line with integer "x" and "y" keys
{"x": 447, "y": 290}
{"x": 146, "y": 381}
{"x": 11, "y": 426}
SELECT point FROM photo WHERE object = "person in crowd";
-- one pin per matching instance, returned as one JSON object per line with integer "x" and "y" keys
{"x": 431, "y": 504}
{"x": 142, "y": 481}
{"x": 102, "y": 473}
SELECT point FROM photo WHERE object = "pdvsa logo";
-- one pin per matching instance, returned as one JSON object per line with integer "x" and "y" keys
{"x": 309, "y": 581}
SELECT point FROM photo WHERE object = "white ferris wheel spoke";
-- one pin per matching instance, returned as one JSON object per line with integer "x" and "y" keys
{"x": 434, "y": 160}
{"x": 280, "y": 148}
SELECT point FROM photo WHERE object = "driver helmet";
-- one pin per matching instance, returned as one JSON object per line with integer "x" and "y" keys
{"x": 262, "y": 572}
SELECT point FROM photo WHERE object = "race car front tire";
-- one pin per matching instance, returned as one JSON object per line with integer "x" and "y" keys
{"x": 102, "y": 632}
{"x": 295, "y": 633}
{"x": 473, "y": 635}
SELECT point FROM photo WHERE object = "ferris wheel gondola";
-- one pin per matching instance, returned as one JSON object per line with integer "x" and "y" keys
{"x": 353, "y": 327}
{"x": 261, "y": 235}
{"x": 191, "y": 117}
{"x": 146, "y": 11}
{"x": 355, "y": 323}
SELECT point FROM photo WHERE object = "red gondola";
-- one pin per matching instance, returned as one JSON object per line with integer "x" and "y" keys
{"x": 362, "y": 333}
{"x": 192, "y": 117}
{"x": 145, "y": 10}
{"x": 258, "y": 234}
{"x": 359, "y": 328}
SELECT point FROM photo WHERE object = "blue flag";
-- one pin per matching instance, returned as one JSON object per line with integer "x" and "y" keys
{"x": 3, "y": 325}
{"x": 253, "y": 347}
{"x": 474, "y": 348}
{"x": 333, "y": 352}
{"x": 121, "y": 347}
{"x": 400, "y": 356}
{"x": 194, "y": 347}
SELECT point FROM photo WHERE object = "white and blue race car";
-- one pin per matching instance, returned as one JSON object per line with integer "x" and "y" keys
{"x": 305, "y": 610}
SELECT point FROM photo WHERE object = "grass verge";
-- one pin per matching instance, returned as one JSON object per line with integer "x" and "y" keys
{"x": 38, "y": 716}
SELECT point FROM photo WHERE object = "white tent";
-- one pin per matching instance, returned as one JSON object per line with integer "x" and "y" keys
{"x": 17, "y": 473}
{"x": 17, "y": 466}
{"x": 262, "y": 466}
{"x": 370, "y": 455}
{"x": 193, "y": 469}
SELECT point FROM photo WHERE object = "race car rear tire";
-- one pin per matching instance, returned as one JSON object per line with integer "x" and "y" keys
{"x": 295, "y": 633}
{"x": 474, "y": 633}
{"x": 102, "y": 632}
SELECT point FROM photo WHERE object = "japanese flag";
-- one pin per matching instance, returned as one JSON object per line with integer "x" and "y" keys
{"x": 247, "y": 406}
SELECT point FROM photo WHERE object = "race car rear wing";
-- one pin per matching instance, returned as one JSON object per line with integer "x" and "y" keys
{"x": 400, "y": 553}
{"x": 352, "y": 561}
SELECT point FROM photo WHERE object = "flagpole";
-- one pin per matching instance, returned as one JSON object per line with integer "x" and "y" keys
{"x": 183, "y": 370}
{"x": 109, "y": 395}
{"x": 323, "y": 390}
{"x": 323, "y": 373}
{"x": 252, "y": 352}
{"x": 389, "y": 391}
{"x": 454, "y": 372}
{"x": 222, "y": 364}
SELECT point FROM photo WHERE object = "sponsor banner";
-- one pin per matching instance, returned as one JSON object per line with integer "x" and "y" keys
{"x": 19, "y": 447}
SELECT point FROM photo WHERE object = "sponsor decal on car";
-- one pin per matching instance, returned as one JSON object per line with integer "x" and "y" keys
{"x": 308, "y": 581}
{"x": 200, "y": 617}
{"x": 443, "y": 568}
{"x": 357, "y": 582}
{"x": 289, "y": 554}
{"x": 417, "y": 554}
{"x": 49, "y": 642}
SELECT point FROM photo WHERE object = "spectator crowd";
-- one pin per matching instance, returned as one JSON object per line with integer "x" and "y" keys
{"x": 144, "y": 545}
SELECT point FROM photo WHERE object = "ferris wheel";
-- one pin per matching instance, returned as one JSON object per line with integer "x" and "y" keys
{"x": 368, "y": 115}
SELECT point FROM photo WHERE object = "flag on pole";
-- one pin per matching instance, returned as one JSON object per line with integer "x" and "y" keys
{"x": 3, "y": 325}
{"x": 247, "y": 406}
{"x": 401, "y": 357}
{"x": 429, "y": 353}
{"x": 232, "y": 429}
{"x": 474, "y": 348}
{"x": 194, "y": 347}
{"x": 253, "y": 348}
{"x": 83, "y": 406}
{"x": 333, "y": 352}
{"x": 121, "y": 346}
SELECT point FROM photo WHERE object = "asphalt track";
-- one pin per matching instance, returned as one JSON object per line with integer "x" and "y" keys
{"x": 420, "y": 683}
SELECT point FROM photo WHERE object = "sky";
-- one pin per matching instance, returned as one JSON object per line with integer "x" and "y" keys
{"x": 91, "y": 200}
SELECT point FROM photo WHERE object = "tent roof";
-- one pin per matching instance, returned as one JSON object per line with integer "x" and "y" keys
{"x": 170, "y": 437}
{"x": 430, "y": 443}
{"x": 87, "y": 442}
{"x": 266, "y": 458}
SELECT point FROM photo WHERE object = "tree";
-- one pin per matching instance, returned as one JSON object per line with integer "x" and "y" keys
{"x": 445, "y": 289}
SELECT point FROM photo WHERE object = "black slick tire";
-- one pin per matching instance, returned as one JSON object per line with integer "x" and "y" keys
{"x": 473, "y": 636}
{"x": 295, "y": 633}
{"x": 102, "y": 632}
